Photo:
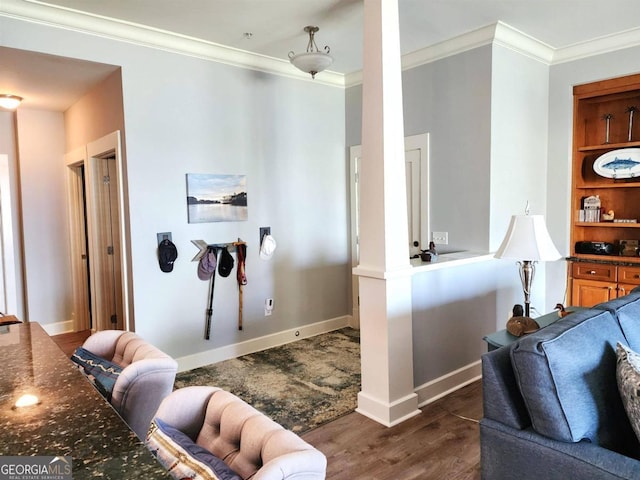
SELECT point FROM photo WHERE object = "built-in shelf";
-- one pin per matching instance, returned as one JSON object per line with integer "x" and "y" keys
{"x": 620, "y": 184}
{"x": 601, "y": 112}
{"x": 608, "y": 146}
{"x": 608, "y": 224}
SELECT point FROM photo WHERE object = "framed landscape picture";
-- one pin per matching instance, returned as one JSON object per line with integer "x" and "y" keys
{"x": 216, "y": 198}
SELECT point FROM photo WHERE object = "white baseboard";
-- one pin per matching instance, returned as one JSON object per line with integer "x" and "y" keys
{"x": 257, "y": 344}
{"x": 385, "y": 413}
{"x": 452, "y": 381}
{"x": 58, "y": 327}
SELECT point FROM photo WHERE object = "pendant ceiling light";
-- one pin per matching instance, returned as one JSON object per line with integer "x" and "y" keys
{"x": 313, "y": 61}
{"x": 10, "y": 102}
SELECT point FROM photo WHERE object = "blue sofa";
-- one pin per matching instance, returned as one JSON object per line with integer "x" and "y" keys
{"x": 551, "y": 404}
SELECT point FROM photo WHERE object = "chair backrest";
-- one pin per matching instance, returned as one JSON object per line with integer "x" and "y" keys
{"x": 147, "y": 377}
{"x": 249, "y": 442}
{"x": 131, "y": 348}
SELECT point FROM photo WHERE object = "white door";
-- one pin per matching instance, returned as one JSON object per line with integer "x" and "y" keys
{"x": 417, "y": 173}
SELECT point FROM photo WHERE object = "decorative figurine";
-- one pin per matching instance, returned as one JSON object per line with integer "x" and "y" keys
{"x": 609, "y": 216}
{"x": 562, "y": 312}
{"x": 519, "y": 325}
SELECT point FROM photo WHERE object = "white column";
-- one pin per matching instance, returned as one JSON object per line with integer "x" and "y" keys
{"x": 387, "y": 394}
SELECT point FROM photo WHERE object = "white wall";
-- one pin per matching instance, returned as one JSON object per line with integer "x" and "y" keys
{"x": 286, "y": 135}
{"x": 44, "y": 215}
{"x": 519, "y": 127}
{"x": 519, "y": 120}
{"x": 8, "y": 147}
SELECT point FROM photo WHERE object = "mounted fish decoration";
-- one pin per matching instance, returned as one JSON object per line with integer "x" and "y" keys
{"x": 622, "y": 163}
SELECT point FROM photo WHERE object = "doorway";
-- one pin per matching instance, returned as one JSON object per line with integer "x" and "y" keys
{"x": 96, "y": 206}
{"x": 416, "y": 149}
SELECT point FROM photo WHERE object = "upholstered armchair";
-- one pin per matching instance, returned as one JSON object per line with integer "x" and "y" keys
{"x": 234, "y": 433}
{"x": 146, "y": 378}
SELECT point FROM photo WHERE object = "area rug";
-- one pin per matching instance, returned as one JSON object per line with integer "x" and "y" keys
{"x": 300, "y": 385}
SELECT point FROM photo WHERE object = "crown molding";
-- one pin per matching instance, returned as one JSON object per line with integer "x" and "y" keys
{"x": 462, "y": 43}
{"x": 499, "y": 33}
{"x": 69, "y": 19}
{"x": 506, "y": 36}
{"x": 513, "y": 39}
{"x": 598, "y": 46}
{"x": 495, "y": 34}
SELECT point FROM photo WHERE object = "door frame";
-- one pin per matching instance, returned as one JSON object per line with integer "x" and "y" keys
{"x": 107, "y": 146}
{"x": 411, "y": 142}
{"x": 75, "y": 161}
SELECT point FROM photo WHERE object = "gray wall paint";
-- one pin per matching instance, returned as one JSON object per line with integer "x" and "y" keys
{"x": 228, "y": 120}
{"x": 453, "y": 308}
{"x": 451, "y": 100}
{"x": 487, "y": 114}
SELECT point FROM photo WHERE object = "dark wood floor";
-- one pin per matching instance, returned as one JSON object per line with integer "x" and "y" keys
{"x": 437, "y": 444}
{"x": 442, "y": 443}
{"x": 68, "y": 342}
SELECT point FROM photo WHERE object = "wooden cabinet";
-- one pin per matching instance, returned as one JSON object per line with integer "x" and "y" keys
{"x": 587, "y": 293}
{"x": 610, "y": 275}
{"x": 594, "y": 283}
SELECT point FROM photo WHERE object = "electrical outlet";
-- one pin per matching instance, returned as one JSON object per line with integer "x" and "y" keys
{"x": 440, "y": 238}
{"x": 268, "y": 306}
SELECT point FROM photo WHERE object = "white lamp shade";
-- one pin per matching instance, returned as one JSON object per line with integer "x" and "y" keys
{"x": 528, "y": 239}
{"x": 311, "y": 61}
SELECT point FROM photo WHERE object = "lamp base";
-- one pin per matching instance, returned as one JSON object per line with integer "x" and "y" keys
{"x": 527, "y": 272}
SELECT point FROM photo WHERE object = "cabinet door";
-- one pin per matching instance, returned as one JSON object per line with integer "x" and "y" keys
{"x": 587, "y": 293}
{"x": 625, "y": 289}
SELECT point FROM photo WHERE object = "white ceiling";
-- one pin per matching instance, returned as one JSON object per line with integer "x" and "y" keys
{"x": 277, "y": 25}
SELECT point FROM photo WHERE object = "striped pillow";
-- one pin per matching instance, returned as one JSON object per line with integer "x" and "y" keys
{"x": 101, "y": 372}
{"x": 182, "y": 457}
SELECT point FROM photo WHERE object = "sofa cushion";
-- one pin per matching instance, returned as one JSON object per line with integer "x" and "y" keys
{"x": 627, "y": 311}
{"x": 102, "y": 372}
{"x": 182, "y": 457}
{"x": 566, "y": 374}
{"x": 628, "y": 377}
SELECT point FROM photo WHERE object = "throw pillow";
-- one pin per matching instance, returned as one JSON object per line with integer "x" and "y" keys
{"x": 628, "y": 377}
{"x": 184, "y": 458}
{"x": 101, "y": 372}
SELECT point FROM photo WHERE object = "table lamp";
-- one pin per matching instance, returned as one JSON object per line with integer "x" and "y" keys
{"x": 528, "y": 240}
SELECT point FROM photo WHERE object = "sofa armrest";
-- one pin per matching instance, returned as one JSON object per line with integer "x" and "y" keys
{"x": 501, "y": 398}
{"x": 139, "y": 390}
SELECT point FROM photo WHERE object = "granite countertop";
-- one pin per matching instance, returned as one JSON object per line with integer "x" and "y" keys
{"x": 621, "y": 261}
{"x": 72, "y": 418}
